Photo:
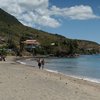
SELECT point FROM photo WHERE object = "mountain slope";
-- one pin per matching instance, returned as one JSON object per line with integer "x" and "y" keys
{"x": 11, "y": 29}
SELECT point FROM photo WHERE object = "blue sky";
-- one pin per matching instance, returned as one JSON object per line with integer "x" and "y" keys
{"x": 76, "y": 19}
{"x": 79, "y": 29}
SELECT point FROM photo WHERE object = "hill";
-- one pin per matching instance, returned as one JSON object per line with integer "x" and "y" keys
{"x": 13, "y": 32}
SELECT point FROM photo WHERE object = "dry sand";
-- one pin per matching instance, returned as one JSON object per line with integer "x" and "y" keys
{"x": 20, "y": 82}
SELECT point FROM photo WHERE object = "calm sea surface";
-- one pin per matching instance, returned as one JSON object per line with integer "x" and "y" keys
{"x": 86, "y": 66}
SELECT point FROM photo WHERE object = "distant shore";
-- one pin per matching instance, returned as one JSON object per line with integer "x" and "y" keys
{"x": 22, "y": 82}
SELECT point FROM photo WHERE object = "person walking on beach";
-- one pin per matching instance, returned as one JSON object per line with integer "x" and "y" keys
{"x": 42, "y": 63}
{"x": 3, "y": 58}
{"x": 39, "y": 63}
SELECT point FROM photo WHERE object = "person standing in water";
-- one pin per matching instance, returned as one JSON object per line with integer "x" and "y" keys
{"x": 39, "y": 63}
{"x": 42, "y": 63}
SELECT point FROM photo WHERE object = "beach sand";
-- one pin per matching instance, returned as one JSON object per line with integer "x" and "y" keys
{"x": 22, "y": 82}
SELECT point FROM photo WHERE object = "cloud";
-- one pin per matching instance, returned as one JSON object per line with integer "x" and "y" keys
{"x": 34, "y": 18}
{"x": 76, "y": 12}
{"x": 30, "y": 12}
{"x": 38, "y": 12}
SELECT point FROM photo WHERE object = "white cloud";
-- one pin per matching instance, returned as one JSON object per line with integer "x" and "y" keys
{"x": 76, "y": 12}
{"x": 37, "y": 12}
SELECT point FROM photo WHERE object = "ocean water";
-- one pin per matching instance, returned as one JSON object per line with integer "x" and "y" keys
{"x": 86, "y": 66}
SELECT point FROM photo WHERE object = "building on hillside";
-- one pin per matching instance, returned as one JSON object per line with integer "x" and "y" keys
{"x": 31, "y": 44}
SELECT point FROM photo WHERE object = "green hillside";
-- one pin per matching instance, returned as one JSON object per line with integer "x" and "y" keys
{"x": 12, "y": 31}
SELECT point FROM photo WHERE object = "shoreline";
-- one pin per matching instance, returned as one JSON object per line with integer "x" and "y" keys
{"x": 65, "y": 76}
{"x": 73, "y": 76}
{"x": 76, "y": 77}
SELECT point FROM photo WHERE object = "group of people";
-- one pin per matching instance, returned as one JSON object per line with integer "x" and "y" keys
{"x": 40, "y": 63}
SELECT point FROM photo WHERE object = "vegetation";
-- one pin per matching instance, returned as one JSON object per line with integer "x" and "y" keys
{"x": 14, "y": 33}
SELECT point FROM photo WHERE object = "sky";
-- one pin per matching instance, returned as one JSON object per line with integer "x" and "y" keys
{"x": 76, "y": 19}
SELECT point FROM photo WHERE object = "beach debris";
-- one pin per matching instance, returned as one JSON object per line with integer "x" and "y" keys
{"x": 25, "y": 77}
{"x": 66, "y": 83}
{"x": 76, "y": 92}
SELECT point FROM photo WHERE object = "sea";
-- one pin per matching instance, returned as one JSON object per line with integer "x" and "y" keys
{"x": 85, "y": 67}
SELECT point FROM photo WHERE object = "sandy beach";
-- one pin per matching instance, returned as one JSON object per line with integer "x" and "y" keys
{"x": 21, "y": 82}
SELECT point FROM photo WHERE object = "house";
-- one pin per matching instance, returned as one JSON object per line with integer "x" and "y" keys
{"x": 31, "y": 43}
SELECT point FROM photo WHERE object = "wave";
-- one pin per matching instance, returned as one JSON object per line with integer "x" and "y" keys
{"x": 77, "y": 77}
{"x": 21, "y": 62}
{"x": 92, "y": 80}
{"x": 51, "y": 71}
